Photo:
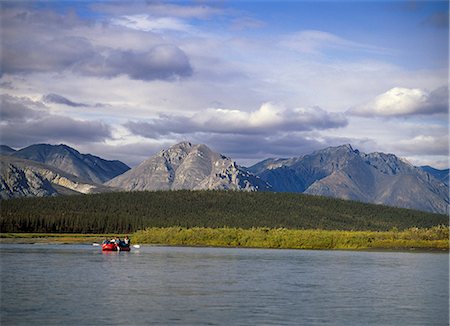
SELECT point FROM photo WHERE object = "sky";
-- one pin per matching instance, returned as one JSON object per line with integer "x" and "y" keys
{"x": 250, "y": 79}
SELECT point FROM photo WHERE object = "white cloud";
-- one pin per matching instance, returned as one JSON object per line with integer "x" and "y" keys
{"x": 147, "y": 23}
{"x": 266, "y": 120}
{"x": 268, "y": 115}
{"x": 314, "y": 42}
{"x": 400, "y": 101}
{"x": 424, "y": 144}
{"x": 158, "y": 8}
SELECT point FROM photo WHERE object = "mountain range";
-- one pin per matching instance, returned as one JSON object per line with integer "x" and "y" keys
{"x": 85, "y": 166}
{"x": 341, "y": 172}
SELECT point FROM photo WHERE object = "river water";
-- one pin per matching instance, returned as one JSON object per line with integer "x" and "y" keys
{"x": 45, "y": 284}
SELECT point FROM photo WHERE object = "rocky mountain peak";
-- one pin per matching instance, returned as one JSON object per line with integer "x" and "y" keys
{"x": 183, "y": 146}
{"x": 188, "y": 166}
{"x": 388, "y": 163}
{"x": 88, "y": 167}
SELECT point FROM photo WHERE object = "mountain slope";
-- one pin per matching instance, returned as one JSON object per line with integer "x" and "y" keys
{"x": 188, "y": 166}
{"x": 6, "y": 150}
{"x": 441, "y": 175}
{"x": 25, "y": 178}
{"x": 343, "y": 172}
{"x": 86, "y": 166}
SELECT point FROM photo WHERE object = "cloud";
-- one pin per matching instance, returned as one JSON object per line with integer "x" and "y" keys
{"x": 400, "y": 101}
{"x": 424, "y": 144}
{"x": 6, "y": 85}
{"x": 52, "y": 98}
{"x": 243, "y": 23}
{"x": 22, "y": 125}
{"x": 43, "y": 42}
{"x": 268, "y": 119}
{"x": 16, "y": 110}
{"x": 58, "y": 99}
{"x": 158, "y": 9}
{"x": 314, "y": 42}
{"x": 163, "y": 62}
{"x": 38, "y": 54}
{"x": 147, "y": 23}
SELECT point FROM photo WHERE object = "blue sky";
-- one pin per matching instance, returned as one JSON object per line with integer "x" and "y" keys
{"x": 251, "y": 79}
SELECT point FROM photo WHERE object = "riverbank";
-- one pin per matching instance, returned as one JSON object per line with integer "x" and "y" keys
{"x": 435, "y": 238}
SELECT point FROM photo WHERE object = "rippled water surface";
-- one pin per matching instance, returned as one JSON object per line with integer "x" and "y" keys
{"x": 80, "y": 285}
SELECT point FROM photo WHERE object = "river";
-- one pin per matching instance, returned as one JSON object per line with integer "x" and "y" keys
{"x": 45, "y": 284}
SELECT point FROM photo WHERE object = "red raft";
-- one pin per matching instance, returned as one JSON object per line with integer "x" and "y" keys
{"x": 114, "y": 247}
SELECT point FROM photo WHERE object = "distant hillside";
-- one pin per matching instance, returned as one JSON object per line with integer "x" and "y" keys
{"x": 130, "y": 211}
{"x": 25, "y": 178}
{"x": 188, "y": 166}
{"x": 6, "y": 150}
{"x": 343, "y": 172}
{"x": 86, "y": 166}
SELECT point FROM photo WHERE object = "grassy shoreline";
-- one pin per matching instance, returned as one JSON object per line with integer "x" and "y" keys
{"x": 435, "y": 238}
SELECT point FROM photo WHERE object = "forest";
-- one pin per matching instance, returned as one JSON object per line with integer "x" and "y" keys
{"x": 127, "y": 212}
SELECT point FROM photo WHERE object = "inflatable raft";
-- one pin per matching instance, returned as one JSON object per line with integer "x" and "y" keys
{"x": 114, "y": 247}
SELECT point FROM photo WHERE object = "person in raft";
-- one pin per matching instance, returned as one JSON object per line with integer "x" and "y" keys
{"x": 127, "y": 241}
{"x": 106, "y": 241}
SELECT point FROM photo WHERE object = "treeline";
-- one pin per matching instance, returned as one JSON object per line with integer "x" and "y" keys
{"x": 127, "y": 212}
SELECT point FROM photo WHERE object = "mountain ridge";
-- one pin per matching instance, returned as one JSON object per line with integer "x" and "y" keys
{"x": 188, "y": 166}
{"x": 346, "y": 173}
{"x": 6, "y": 150}
{"x": 26, "y": 178}
{"x": 86, "y": 166}
{"x": 339, "y": 172}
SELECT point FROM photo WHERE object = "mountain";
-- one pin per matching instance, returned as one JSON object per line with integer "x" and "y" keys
{"x": 25, "y": 178}
{"x": 88, "y": 167}
{"x": 340, "y": 172}
{"x": 441, "y": 175}
{"x": 343, "y": 172}
{"x": 188, "y": 166}
{"x": 6, "y": 150}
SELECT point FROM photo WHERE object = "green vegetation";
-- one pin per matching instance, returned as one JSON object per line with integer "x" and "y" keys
{"x": 432, "y": 238}
{"x": 435, "y": 238}
{"x": 127, "y": 212}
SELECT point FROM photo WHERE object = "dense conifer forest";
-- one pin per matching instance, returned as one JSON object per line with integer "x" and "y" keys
{"x": 126, "y": 212}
